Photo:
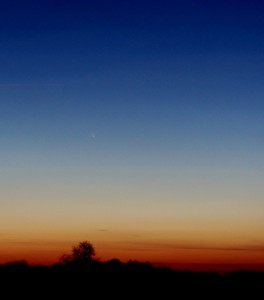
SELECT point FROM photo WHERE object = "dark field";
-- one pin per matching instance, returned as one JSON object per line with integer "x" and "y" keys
{"x": 132, "y": 280}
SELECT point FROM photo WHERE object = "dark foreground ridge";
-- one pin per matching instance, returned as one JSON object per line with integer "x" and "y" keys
{"x": 117, "y": 280}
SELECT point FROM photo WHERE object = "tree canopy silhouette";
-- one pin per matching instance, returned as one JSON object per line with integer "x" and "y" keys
{"x": 84, "y": 252}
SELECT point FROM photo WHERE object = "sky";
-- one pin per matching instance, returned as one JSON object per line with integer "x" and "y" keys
{"x": 136, "y": 125}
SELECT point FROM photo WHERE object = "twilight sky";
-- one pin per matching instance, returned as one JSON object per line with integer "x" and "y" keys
{"x": 137, "y": 125}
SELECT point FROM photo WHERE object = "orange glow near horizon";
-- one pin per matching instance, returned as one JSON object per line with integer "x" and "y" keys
{"x": 178, "y": 255}
{"x": 162, "y": 237}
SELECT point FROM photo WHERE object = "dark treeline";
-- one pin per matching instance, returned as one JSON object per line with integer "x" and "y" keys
{"x": 114, "y": 279}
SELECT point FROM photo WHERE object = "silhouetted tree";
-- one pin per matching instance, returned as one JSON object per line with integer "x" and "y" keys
{"x": 82, "y": 253}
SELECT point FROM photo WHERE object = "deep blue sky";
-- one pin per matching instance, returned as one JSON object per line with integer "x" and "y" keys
{"x": 131, "y": 102}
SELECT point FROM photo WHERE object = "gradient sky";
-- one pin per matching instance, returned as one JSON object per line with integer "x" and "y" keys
{"x": 137, "y": 125}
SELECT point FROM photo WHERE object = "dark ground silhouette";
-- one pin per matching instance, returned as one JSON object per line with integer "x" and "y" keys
{"x": 116, "y": 280}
